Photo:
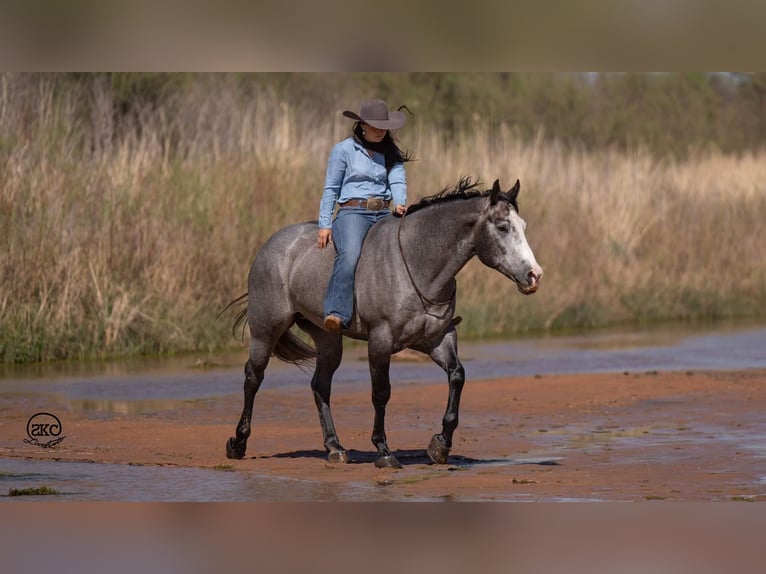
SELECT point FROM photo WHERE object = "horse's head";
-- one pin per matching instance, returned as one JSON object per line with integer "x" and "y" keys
{"x": 500, "y": 241}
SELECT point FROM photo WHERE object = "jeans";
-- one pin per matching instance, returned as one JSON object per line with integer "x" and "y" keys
{"x": 348, "y": 232}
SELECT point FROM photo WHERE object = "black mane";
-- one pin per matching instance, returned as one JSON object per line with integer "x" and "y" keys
{"x": 464, "y": 189}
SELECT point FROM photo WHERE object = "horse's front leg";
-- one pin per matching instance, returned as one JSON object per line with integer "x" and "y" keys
{"x": 445, "y": 355}
{"x": 379, "y": 354}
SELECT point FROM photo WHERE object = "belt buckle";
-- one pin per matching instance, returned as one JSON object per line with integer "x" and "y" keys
{"x": 375, "y": 204}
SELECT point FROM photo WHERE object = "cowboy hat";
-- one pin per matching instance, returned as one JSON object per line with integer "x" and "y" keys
{"x": 376, "y": 114}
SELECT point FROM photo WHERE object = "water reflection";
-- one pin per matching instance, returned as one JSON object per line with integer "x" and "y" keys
{"x": 158, "y": 366}
{"x": 124, "y": 407}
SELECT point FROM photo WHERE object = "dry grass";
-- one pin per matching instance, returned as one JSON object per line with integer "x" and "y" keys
{"x": 626, "y": 238}
{"x": 130, "y": 240}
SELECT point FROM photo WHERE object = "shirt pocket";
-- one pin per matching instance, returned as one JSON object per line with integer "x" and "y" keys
{"x": 367, "y": 174}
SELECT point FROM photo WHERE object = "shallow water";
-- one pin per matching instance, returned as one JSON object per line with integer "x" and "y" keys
{"x": 134, "y": 386}
{"x": 94, "y": 482}
{"x": 151, "y": 386}
{"x": 83, "y": 481}
{"x": 668, "y": 348}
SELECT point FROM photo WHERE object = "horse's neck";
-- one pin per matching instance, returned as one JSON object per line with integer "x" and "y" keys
{"x": 436, "y": 244}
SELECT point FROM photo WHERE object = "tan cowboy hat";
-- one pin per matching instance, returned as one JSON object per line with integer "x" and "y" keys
{"x": 376, "y": 114}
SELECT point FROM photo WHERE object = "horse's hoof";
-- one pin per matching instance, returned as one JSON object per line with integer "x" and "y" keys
{"x": 338, "y": 457}
{"x": 234, "y": 450}
{"x": 387, "y": 461}
{"x": 437, "y": 450}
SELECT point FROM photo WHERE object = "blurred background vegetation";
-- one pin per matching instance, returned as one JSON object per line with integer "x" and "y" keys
{"x": 673, "y": 114}
{"x": 131, "y": 205}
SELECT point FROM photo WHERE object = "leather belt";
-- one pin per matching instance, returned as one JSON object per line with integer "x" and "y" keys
{"x": 373, "y": 204}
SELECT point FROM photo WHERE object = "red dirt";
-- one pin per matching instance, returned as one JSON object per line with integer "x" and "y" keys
{"x": 651, "y": 436}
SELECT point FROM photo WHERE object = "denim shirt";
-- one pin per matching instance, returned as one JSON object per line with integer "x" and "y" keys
{"x": 353, "y": 174}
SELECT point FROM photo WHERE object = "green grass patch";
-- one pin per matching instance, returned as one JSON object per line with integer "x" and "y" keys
{"x": 36, "y": 491}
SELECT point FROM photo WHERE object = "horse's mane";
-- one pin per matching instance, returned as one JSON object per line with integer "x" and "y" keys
{"x": 464, "y": 189}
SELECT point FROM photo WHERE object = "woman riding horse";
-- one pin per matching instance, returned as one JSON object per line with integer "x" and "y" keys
{"x": 365, "y": 174}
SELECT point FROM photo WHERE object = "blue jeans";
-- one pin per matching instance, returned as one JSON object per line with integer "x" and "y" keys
{"x": 348, "y": 232}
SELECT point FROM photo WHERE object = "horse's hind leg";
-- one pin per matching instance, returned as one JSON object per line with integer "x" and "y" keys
{"x": 445, "y": 355}
{"x": 329, "y": 347}
{"x": 254, "y": 369}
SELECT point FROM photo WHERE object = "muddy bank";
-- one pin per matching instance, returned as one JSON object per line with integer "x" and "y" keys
{"x": 690, "y": 436}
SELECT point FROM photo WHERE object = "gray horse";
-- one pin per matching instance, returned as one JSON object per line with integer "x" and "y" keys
{"x": 405, "y": 298}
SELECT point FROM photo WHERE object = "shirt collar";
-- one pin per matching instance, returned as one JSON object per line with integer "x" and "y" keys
{"x": 358, "y": 145}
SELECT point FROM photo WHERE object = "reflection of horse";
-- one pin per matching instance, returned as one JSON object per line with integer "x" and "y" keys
{"x": 405, "y": 298}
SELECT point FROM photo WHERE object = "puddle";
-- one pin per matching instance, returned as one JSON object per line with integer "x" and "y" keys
{"x": 81, "y": 481}
{"x": 94, "y": 482}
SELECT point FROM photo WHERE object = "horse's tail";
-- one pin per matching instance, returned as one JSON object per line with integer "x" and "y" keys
{"x": 289, "y": 348}
{"x": 239, "y": 319}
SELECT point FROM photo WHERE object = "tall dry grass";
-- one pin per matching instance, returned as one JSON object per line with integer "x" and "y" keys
{"x": 623, "y": 238}
{"x": 120, "y": 239}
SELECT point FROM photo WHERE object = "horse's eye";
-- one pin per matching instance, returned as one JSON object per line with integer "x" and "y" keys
{"x": 503, "y": 227}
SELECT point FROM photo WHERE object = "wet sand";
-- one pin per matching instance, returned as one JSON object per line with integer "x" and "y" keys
{"x": 643, "y": 436}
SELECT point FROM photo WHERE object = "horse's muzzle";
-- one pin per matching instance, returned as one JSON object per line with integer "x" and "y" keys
{"x": 532, "y": 284}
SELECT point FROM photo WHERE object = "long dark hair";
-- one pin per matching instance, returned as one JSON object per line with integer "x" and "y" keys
{"x": 387, "y": 146}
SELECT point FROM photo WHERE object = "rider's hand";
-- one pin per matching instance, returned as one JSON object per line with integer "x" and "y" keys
{"x": 400, "y": 210}
{"x": 324, "y": 237}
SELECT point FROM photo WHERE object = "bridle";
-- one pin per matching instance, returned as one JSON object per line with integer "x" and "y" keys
{"x": 423, "y": 299}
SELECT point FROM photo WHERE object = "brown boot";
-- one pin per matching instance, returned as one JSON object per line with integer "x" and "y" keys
{"x": 333, "y": 324}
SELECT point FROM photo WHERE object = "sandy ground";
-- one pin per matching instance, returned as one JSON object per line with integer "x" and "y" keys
{"x": 687, "y": 436}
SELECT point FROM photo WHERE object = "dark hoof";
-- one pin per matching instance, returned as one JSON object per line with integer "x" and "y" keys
{"x": 387, "y": 461}
{"x": 234, "y": 450}
{"x": 437, "y": 450}
{"x": 338, "y": 457}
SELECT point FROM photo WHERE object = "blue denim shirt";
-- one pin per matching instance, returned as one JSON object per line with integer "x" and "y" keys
{"x": 353, "y": 174}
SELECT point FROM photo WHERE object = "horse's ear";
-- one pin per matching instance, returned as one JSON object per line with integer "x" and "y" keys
{"x": 514, "y": 192}
{"x": 494, "y": 196}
